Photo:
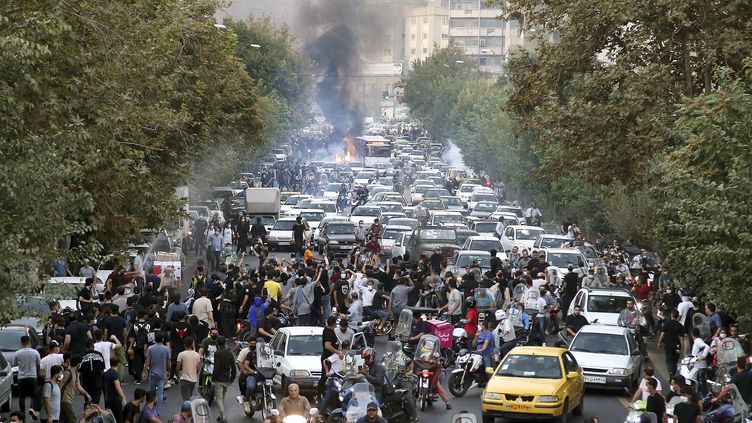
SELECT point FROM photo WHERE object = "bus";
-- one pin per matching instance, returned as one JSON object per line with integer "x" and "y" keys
{"x": 373, "y": 150}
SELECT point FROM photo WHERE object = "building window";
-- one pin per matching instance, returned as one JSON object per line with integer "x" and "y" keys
{"x": 482, "y": 61}
{"x": 468, "y": 11}
{"x": 425, "y": 50}
{"x": 444, "y": 36}
{"x": 425, "y": 36}
{"x": 412, "y": 36}
{"x": 425, "y": 19}
{"x": 413, "y": 20}
{"x": 444, "y": 20}
{"x": 412, "y": 51}
{"x": 387, "y": 52}
{"x": 482, "y": 42}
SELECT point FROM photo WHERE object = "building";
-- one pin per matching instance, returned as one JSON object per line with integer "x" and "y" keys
{"x": 488, "y": 41}
{"x": 426, "y": 29}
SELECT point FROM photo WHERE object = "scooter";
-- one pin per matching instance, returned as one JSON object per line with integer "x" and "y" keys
{"x": 687, "y": 369}
{"x": 469, "y": 372}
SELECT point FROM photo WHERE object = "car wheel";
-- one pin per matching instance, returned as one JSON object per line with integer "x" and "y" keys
{"x": 488, "y": 418}
{"x": 580, "y": 407}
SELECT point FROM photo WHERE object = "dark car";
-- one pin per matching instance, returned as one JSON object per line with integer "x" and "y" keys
{"x": 425, "y": 239}
{"x": 337, "y": 237}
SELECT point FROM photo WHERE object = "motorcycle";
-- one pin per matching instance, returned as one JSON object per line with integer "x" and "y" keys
{"x": 735, "y": 409}
{"x": 354, "y": 401}
{"x": 728, "y": 351}
{"x": 635, "y": 322}
{"x": 402, "y": 331}
{"x": 426, "y": 365}
{"x": 206, "y": 387}
{"x": 264, "y": 396}
{"x": 688, "y": 369}
{"x": 394, "y": 404}
{"x": 469, "y": 371}
{"x": 637, "y": 413}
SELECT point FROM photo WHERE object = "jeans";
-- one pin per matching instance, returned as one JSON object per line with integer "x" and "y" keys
{"x": 542, "y": 323}
{"x": 26, "y": 388}
{"x": 220, "y": 390}
{"x": 186, "y": 389}
{"x": 215, "y": 260}
{"x": 380, "y": 314}
{"x": 250, "y": 386}
{"x": 702, "y": 386}
{"x": 326, "y": 306}
{"x": 156, "y": 383}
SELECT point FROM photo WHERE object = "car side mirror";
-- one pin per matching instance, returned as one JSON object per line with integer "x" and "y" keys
{"x": 573, "y": 375}
{"x": 490, "y": 371}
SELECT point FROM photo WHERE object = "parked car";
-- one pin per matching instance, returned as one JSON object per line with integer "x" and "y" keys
{"x": 469, "y": 258}
{"x": 10, "y": 342}
{"x": 6, "y": 384}
{"x": 484, "y": 243}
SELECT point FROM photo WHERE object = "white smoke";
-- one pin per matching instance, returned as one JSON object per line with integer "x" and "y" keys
{"x": 453, "y": 156}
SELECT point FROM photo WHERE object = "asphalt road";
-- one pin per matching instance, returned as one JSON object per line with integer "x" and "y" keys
{"x": 608, "y": 406}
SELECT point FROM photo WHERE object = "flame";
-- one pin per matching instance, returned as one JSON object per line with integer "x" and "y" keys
{"x": 348, "y": 157}
{"x": 338, "y": 159}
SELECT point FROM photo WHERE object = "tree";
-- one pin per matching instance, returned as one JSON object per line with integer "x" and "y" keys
{"x": 704, "y": 224}
{"x": 106, "y": 106}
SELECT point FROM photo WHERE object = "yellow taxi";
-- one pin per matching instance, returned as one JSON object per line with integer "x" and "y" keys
{"x": 535, "y": 383}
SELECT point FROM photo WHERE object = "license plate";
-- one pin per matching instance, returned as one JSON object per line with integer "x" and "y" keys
{"x": 516, "y": 407}
{"x": 424, "y": 383}
{"x": 594, "y": 379}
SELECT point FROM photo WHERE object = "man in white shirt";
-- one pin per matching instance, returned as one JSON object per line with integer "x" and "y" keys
{"x": 500, "y": 227}
{"x": 503, "y": 333}
{"x": 335, "y": 364}
{"x": 540, "y": 279}
{"x": 642, "y": 390}
{"x": 454, "y": 303}
{"x": 700, "y": 350}
{"x": 202, "y": 308}
{"x": 105, "y": 347}
{"x": 683, "y": 308}
{"x": 138, "y": 264}
{"x": 53, "y": 358}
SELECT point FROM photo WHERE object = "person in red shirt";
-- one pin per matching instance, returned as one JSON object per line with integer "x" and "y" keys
{"x": 471, "y": 324}
{"x": 642, "y": 289}
{"x": 373, "y": 245}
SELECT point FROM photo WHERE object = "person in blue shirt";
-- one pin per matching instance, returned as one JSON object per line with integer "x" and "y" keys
{"x": 486, "y": 344}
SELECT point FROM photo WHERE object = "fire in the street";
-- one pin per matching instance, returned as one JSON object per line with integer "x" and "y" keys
{"x": 337, "y": 159}
{"x": 348, "y": 157}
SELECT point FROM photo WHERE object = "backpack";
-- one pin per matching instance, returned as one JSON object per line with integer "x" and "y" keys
{"x": 198, "y": 282}
{"x": 141, "y": 332}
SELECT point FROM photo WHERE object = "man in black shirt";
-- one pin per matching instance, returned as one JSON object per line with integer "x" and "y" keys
{"x": 672, "y": 334}
{"x": 655, "y": 402}
{"x": 743, "y": 381}
{"x": 569, "y": 288}
{"x": 132, "y": 410}
{"x": 671, "y": 299}
{"x": 436, "y": 259}
{"x": 420, "y": 328}
{"x": 341, "y": 292}
{"x": 575, "y": 321}
{"x": 269, "y": 325}
{"x": 76, "y": 335}
{"x": 298, "y": 235}
{"x": 92, "y": 371}
{"x": 495, "y": 262}
{"x": 329, "y": 344}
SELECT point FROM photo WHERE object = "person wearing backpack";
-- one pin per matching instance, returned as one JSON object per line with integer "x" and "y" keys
{"x": 228, "y": 308}
{"x": 139, "y": 341}
{"x": 177, "y": 332}
{"x": 51, "y": 393}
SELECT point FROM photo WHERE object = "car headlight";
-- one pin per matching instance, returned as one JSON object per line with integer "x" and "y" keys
{"x": 618, "y": 371}
{"x": 333, "y": 242}
{"x": 548, "y": 398}
{"x": 492, "y": 395}
{"x": 300, "y": 373}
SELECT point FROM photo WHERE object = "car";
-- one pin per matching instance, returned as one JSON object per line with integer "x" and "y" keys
{"x": 550, "y": 241}
{"x": 6, "y": 384}
{"x": 388, "y": 196}
{"x": 469, "y": 258}
{"x": 337, "y": 237}
{"x": 297, "y": 356}
{"x": 331, "y": 190}
{"x": 416, "y": 193}
{"x": 10, "y": 342}
{"x": 425, "y": 239}
{"x": 281, "y": 234}
{"x": 483, "y": 209}
{"x": 454, "y": 203}
{"x": 363, "y": 177}
{"x": 324, "y": 222}
{"x": 447, "y": 218}
{"x": 609, "y": 355}
{"x": 560, "y": 258}
{"x": 602, "y": 304}
{"x": 375, "y": 189}
{"x": 427, "y": 207}
{"x": 436, "y": 193}
{"x": 484, "y": 243}
{"x": 591, "y": 254}
{"x": 465, "y": 191}
{"x": 534, "y": 383}
{"x": 313, "y": 216}
{"x": 291, "y": 202}
{"x": 284, "y": 195}
{"x": 485, "y": 227}
{"x": 386, "y": 217}
{"x": 279, "y": 154}
{"x": 365, "y": 213}
{"x": 477, "y": 197}
{"x": 520, "y": 236}
{"x": 516, "y": 210}
{"x": 509, "y": 218}
{"x": 404, "y": 221}
{"x": 463, "y": 234}
{"x": 390, "y": 206}
{"x": 393, "y": 240}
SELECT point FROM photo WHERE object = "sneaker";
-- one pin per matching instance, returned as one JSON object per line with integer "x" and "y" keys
{"x": 247, "y": 407}
{"x": 34, "y": 415}
{"x": 240, "y": 399}
{"x": 448, "y": 406}
{"x": 167, "y": 385}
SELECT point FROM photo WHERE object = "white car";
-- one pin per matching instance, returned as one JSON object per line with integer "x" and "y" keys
{"x": 602, "y": 304}
{"x": 313, "y": 216}
{"x": 551, "y": 241}
{"x": 296, "y": 355}
{"x": 365, "y": 213}
{"x": 485, "y": 197}
{"x": 363, "y": 177}
{"x": 281, "y": 234}
{"x": 329, "y": 207}
{"x": 464, "y": 258}
{"x": 465, "y": 191}
{"x": 447, "y": 218}
{"x": 484, "y": 227}
{"x": 609, "y": 356}
{"x": 520, "y": 236}
{"x": 558, "y": 260}
{"x": 389, "y": 206}
{"x": 291, "y": 203}
{"x": 416, "y": 194}
{"x": 331, "y": 190}
{"x": 516, "y": 210}
{"x": 485, "y": 243}
{"x": 509, "y": 218}
{"x": 393, "y": 240}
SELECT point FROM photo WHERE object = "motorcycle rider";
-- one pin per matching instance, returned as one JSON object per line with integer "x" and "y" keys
{"x": 249, "y": 377}
{"x": 434, "y": 363}
{"x": 258, "y": 230}
{"x": 504, "y": 334}
{"x": 374, "y": 372}
{"x": 485, "y": 346}
{"x": 400, "y": 366}
{"x": 471, "y": 317}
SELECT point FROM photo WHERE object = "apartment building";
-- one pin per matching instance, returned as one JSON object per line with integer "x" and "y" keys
{"x": 426, "y": 29}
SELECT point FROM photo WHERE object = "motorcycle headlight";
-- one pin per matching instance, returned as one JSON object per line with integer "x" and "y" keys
{"x": 492, "y": 395}
{"x": 548, "y": 398}
{"x": 300, "y": 373}
{"x": 618, "y": 372}
{"x": 268, "y": 382}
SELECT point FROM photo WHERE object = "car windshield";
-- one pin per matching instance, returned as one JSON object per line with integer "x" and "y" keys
{"x": 485, "y": 244}
{"x": 365, "y": 175}
{"x": 563, "y": 259}
{"x": 485, "y": 226}
{"x": 283, "y": 225}
{"x": 600, "y": 343}
{"x": 366, "y": 211}
{"x": 10, "y": 340}
{"x": 340, "y": 228}
{"x": 484, "y": 197}
{"x": 327, "y": 207}
{"x": 606, "y": 303}
{"x": 391, "y": 207}
{"x": 465, "y": 260}
{"x": 528, "y": 234}
{"x": 489, "y": 207}
{"x": 552, "y": 242}
{"x": 433, "y": 205}
{"x": 530, "y": 366}
{"x": 312, "y": 216}
{"x": 467, "y": 188}
{"x": 422, "y": 189}
{"x": 438, "y": 235}
{"x": 436, "y": 193}
{"x": 452, "y": 201}
{"x": 411, "y": 223}
{"x": 304, "y": 345}
{"x": 292, "y": 200}
{"x": 517, "y": 212}
{"x": 446, "y": 218}
{"x": 267, "y": 220}
{"x": 391, "y": 234}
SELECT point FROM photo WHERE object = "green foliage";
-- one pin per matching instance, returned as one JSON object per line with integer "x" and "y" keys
{"x": 105, "y": 107}
{"x": 704, "y": 221}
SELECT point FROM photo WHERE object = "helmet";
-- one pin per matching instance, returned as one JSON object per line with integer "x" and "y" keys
{"x": 368, "y": 354}
{"x": 501, "y": 314}
{"x": 470, "y": 302}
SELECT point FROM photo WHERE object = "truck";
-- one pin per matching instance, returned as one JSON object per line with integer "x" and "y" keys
{"x": 264, "y": 203}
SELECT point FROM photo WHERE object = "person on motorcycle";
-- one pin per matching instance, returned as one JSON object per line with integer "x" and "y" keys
{"x": 258, "y": 230}
{"x": 249, "y": 376}
{"x": 575, "y": 321}
{"x": 471, "y": 317}
{"x": 374, "y": 372}
{"x": 743, "y": 381}
{"x": 420, "y": 328}
{"x": 400, "y": 366}
{"x": 427, "y": 357}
